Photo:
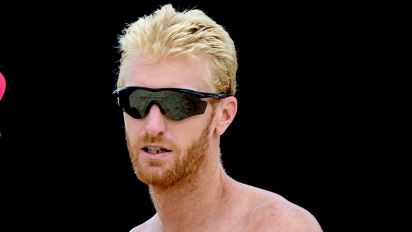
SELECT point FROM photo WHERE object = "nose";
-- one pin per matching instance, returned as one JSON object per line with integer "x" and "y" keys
{"x": 154, "y": 121}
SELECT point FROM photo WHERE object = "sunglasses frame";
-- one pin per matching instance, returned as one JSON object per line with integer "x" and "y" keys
{"x": 190, "y": 92}
{"x": 187, "y": 91}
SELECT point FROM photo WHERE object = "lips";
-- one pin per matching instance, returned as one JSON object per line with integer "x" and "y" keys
{"x": 155, "y": 149}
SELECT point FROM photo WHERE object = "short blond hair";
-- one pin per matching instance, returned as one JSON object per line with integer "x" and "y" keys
{"x": 167, "y": 33}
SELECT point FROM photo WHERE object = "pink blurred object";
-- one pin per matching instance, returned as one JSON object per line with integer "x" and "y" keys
{"x": 2, "y": 85}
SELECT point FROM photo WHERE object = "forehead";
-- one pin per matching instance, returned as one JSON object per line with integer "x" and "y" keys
{"x": 190, "y": 72}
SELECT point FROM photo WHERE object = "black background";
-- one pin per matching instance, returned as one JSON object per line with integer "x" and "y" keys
{"x": 64, "y": 163}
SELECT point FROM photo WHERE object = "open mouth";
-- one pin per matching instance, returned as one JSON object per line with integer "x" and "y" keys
{"x": 155, "y": 150}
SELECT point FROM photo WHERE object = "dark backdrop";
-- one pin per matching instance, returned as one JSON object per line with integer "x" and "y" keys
{"x": 64, "y": 162}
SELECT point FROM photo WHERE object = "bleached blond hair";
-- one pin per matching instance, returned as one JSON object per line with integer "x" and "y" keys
{"x": 167, "y": 33}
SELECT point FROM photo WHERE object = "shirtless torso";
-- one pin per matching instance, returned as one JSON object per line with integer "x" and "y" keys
{"x": 244, "y": 208}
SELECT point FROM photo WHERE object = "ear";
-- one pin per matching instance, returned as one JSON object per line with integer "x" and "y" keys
{"x": 225, "y": 112}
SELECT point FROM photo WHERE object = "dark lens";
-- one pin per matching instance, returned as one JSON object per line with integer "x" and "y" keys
{"x": 175, "y": 105}
{"x": 178, "y": 106}
{"x": 138, "y": 101}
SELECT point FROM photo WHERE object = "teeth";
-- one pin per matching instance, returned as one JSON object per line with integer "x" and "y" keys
{"x": 154, "y": 150}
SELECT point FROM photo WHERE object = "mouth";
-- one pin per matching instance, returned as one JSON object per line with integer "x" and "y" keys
{"x": 155, "y": 150}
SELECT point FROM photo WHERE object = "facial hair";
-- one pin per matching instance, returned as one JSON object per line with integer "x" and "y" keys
{"x": 186, "y": 164}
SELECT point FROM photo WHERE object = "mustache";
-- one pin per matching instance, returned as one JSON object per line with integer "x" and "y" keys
{"x": 154, "y": 139}
{"x": 146, "y": 139}
{"x": 157, "y": 139}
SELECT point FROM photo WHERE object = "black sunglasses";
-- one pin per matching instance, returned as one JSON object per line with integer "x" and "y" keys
{"x": 175, "y": 103}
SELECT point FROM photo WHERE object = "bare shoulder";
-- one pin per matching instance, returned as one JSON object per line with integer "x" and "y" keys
{"x": 148, "y": 226}
{"x": 271, "y": 212}
{"x": 141, "y": 228}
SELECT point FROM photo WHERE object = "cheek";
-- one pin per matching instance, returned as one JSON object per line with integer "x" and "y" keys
{"x": 132, "y": 126}
{"x": 188, "y": 136}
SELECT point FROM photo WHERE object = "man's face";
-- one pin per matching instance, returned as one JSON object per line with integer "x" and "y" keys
{"x": 168, "y": 172}
{"x": 163, "y": 151}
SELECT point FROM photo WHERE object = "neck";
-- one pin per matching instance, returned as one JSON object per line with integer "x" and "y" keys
{"x": 191, "y": 203}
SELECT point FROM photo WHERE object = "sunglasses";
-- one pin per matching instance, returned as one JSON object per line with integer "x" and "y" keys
{"x": 174, "y": 103}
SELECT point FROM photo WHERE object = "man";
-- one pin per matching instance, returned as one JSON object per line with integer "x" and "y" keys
{"x": 176, "y": 86}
